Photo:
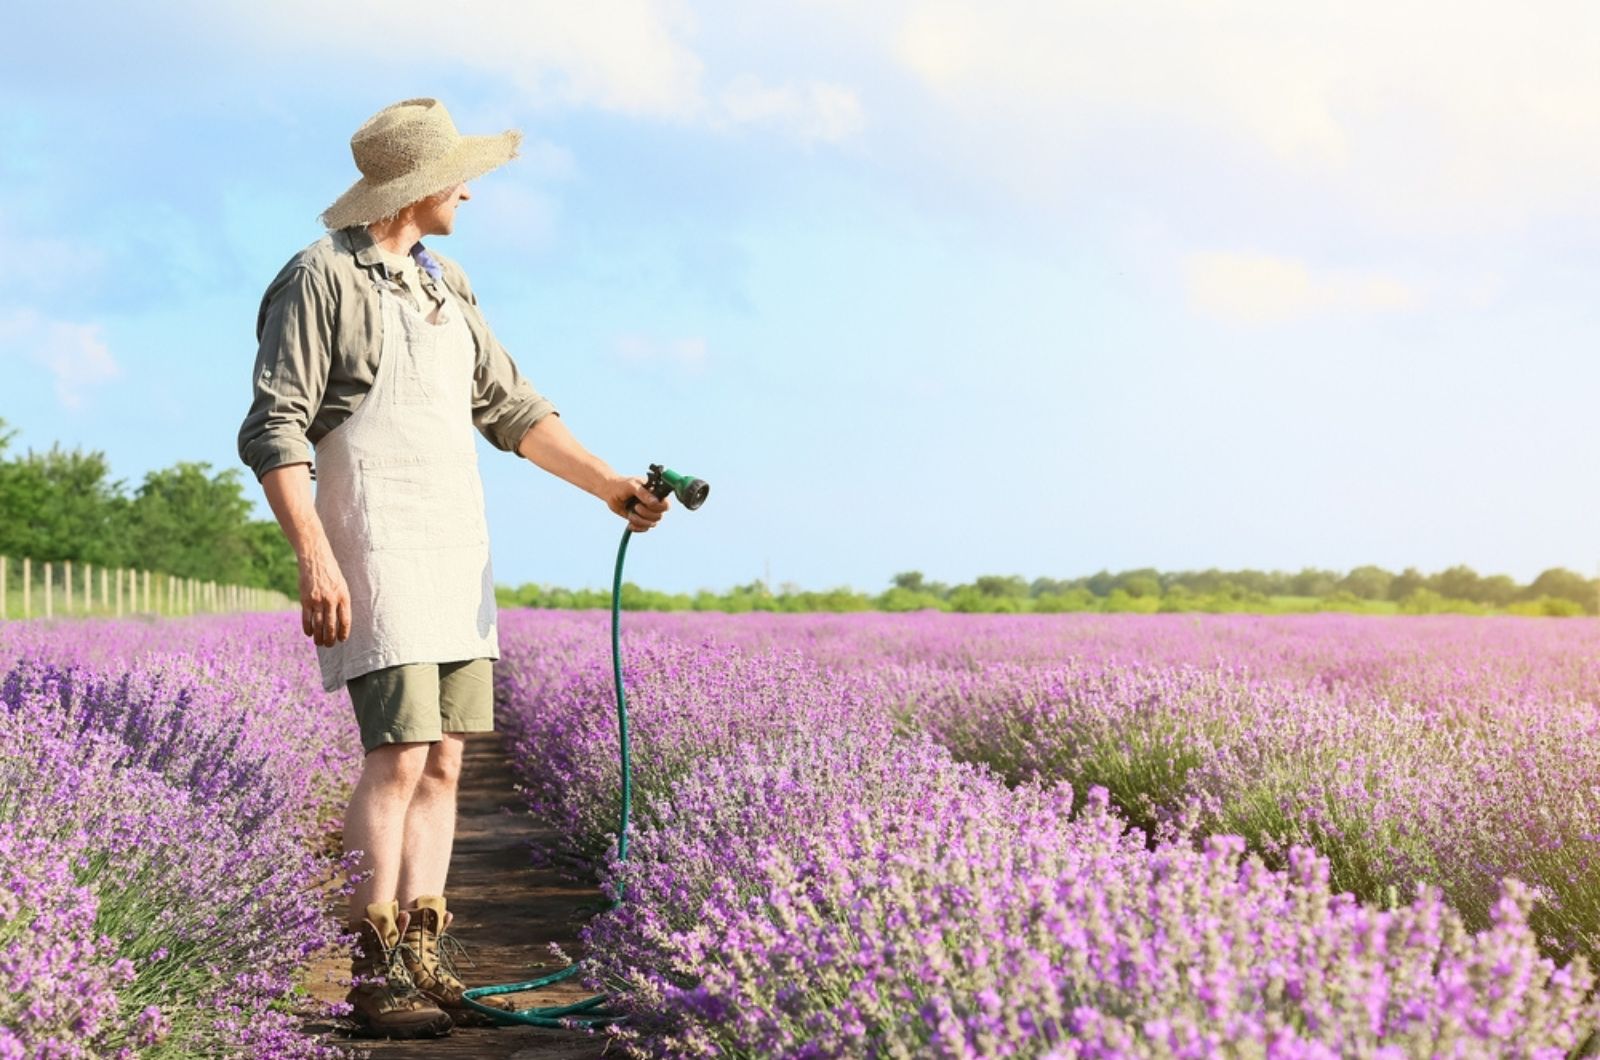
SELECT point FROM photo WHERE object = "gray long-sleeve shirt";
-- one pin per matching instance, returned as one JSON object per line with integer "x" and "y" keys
{"x": 320, "y": 334}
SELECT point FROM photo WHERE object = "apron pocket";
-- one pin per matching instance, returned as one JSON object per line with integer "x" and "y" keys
{"x": 417, "y": 503}
{"x": 412, "y": 374}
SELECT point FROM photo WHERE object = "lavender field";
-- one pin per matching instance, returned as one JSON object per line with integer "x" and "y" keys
{"x": 864, "y": 835}
{"x": 975, "y": 836}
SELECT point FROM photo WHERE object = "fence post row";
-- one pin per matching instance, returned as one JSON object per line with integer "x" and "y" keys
{"x": 127, "y": 592}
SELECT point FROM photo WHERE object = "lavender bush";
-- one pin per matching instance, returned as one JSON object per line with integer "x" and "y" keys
{"x": 163, "y": 791}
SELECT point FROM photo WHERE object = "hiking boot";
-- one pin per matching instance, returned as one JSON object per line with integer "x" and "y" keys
{"x": 385, "y": 1002}
{"x": 430, "y": 952}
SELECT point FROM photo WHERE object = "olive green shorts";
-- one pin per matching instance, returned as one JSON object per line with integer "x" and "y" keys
{"x": 420, "y": 702}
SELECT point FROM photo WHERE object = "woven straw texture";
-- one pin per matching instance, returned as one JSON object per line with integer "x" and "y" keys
{"x": 409, "y": 151}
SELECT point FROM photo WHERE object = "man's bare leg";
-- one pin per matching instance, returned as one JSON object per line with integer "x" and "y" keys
{"x": 430, "y": 823}
{"x": 375, "y": 822}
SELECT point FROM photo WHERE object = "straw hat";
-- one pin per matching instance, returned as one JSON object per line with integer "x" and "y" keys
{"x": 409, "y": 151}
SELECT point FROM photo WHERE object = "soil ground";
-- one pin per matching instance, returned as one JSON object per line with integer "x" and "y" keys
{"x": 506, "y": 913}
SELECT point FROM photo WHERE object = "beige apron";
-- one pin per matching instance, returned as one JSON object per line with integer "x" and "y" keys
{"x": 399, "y": 496}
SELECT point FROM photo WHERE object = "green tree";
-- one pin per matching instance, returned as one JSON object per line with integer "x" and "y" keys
{"x": 272, "y": 562}
{"x": 1405, "y": 583}
{"x": 909, "y": 580}
{"x": 1313, "y": 582}
{"x": 1367, "y": 583}
{"x": 1457, "y": 583}
{"x": 1075, "y": 598}
{"x": 1101, "y": 583}
{"x": 187, "y": 521}
{"x": 61, "y": 504}
{"x": 1563, "y": 584}
{"x": 899, "y": 598}
{"x": 1007, "y": 586}
{"x": 1141, "y": 585}
{"x": 1498, "y": 590}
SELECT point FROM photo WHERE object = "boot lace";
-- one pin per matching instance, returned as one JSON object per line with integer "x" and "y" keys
{"x": 451, "y": 949}
{"x": 393, "y": 965}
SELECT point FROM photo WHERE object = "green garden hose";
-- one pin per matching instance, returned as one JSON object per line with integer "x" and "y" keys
{"x": 590, "y": 1012}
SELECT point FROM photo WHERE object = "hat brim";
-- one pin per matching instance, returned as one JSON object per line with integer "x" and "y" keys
{"x": 366, "y": 201}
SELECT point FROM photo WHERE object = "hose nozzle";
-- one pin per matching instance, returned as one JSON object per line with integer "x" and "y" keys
{"x": 691, "y": 492}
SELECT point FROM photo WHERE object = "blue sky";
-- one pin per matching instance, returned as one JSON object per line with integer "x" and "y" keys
{"x": 966, "y": 288}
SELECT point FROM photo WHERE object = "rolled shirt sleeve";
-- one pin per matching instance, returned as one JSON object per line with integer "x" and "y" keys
{"x": 295, "y": 331}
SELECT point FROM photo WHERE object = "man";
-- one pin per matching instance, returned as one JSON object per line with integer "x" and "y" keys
{"x": 373, "y": 350}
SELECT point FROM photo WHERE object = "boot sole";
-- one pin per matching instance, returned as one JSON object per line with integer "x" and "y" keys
{"x": 471, "y": 1017}
{"x": 426, "y": 1030}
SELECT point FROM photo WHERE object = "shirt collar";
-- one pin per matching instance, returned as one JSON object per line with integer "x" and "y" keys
{"x": 363, "y": 246}
{"x": 367, "y": 253}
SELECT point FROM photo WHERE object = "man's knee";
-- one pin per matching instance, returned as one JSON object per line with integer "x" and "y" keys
{"x": 396, "y": 768}
{"x": 442, "y": 770}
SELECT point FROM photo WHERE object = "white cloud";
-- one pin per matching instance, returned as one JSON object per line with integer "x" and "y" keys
{"x": 624, "y": 56}
{"x": 688, "y": 354}
{"x": 619, "y": 55}
{"x": 1423, "y": 112}
{"x": 815, "y": 112}
{"x": 75, "y": 354}
{"x": 1264, "y": 289}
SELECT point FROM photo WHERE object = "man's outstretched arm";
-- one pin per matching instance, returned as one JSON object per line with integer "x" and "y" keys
{"x": 324, "y": 597}
{"x": 550, "y": 445}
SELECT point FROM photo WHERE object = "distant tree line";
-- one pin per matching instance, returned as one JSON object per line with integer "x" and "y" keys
{"x": 1367, "y": 589}
{"x": 194, "y": 522}
{"x": 184, "y": 520}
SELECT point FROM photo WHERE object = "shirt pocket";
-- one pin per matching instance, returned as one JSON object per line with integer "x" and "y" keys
{"x": 422, "y": 503}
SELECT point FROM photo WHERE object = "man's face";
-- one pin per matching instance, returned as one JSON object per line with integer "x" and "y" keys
{"x": 436, "y": 215}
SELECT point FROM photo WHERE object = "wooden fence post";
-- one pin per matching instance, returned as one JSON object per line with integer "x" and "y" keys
{"x": 105, "y": 589}
{"x": 88, "y": 588}
{"x": 66, "y": 585}
{"x": 118, "y": 577}
{"x": 49, "y": 591}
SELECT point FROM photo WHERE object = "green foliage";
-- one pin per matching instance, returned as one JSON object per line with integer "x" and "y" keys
{"x": 1066, "y": 600}
{"x": 184, "y": 520}
{"x": 1405, "y": 583}
{"x": 1429, "y": 602}
{"x": 1366, "y": 583}
{"x": 901, "y": 598}
{"x": 60, "y": 505}
{"x": 189, "y": 522}
{"x": 1546, "y": 607}
{"x": 1123, "y": 600}
{"x": 1565, "y": 585}
{"x": 973, "y": 600}
{"x": 1364, "y": 590}
{"x": 1008, "y": 587}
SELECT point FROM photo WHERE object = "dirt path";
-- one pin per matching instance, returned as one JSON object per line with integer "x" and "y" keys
{"x": 506, "y": 912}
